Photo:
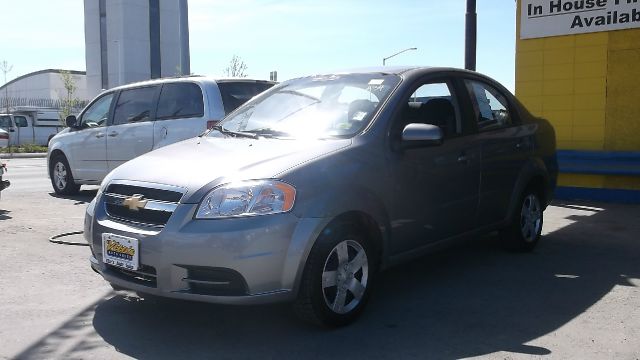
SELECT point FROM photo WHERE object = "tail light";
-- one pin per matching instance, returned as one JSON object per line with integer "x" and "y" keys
{"x": 4, "y": 136}
{"x": 212, "y": 123}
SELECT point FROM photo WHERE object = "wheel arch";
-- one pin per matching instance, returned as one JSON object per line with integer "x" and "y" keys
{"x": 533, "y": 174}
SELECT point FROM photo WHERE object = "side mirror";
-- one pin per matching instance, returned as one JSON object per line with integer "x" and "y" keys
{"x": 421, "y": 135}
{"x": 71, "y": 121}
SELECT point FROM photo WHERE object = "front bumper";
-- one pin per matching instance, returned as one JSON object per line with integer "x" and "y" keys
{"x": 260, "y": 258}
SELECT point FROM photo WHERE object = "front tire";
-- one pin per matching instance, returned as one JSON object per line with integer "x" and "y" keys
{"x": 337, "y": 278}
{"x": 61, "y": 177}
{"x": 525, "y": 229}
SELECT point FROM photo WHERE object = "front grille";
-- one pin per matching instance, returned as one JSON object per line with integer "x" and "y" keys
{"x": 143, "y": 205}
{"x": 204, "y": 280}
{"x": 145, "y": 275}
{"x": 147, "y": 192}
{"x": 148, "y": 217}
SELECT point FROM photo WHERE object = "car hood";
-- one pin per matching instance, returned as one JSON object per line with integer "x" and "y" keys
{"x": 200, "y": 163}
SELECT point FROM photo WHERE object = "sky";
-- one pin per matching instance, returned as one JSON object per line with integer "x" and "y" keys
{"x": 294, "y": 37}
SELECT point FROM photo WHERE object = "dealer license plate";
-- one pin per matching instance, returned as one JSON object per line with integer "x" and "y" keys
{"x": 120, "y": 251}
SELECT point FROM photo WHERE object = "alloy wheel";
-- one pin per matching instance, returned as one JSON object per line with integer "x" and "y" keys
{"x": 60, "y": 175}
{"x": 530, "y": 218}
{"x": 345, "y": 276}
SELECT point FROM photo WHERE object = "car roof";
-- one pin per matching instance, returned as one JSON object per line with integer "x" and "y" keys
{"x": 396, "y": 70}
{"x": 190, "y": 78}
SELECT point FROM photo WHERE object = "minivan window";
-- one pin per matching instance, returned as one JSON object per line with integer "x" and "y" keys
{"x": 314, "y": 107}
{"x": 98, "y": 113}
{"x": 134, "y": 105}
{"x": 180, "y": 100}
{"x": 235, "y": 94}
{"x": 20, "y": 121}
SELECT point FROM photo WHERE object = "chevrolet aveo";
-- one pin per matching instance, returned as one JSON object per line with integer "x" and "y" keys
{"x": 307, "y": 191}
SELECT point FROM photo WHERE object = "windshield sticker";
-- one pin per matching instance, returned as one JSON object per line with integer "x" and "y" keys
{"x": 376, "y": 81}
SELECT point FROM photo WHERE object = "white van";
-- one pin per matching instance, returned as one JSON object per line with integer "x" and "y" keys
{"x": 128, "y": 121}
{"x": 30, "y": 125}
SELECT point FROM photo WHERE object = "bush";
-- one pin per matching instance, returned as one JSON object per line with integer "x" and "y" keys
{"x": 26, "y": 148}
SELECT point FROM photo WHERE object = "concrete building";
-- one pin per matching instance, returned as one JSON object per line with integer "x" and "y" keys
{"x": 577, "y": 64}
{"x": 42, "y": 88}
{"x": 134, "y": 40}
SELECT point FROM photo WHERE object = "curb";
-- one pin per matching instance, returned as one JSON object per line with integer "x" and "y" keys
{"x": 23, "y": 155}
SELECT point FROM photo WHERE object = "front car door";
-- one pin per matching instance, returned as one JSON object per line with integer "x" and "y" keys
{"x": 505, "y": 148}
{"x": 436, "y": 187}
{"x": 130, "y": 133}
{"x": 87, "y": 144}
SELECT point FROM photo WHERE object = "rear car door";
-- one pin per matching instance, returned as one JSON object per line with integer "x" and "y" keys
{"x": 506, "y": 147}
{"x": 130, "y": 133}
{"x": 436, "y": 187}
{"x": 180, "y": 113}
{"x": 87, "y": 145}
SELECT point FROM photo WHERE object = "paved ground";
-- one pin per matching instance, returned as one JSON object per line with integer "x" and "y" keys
{"x": 577, "y": 296}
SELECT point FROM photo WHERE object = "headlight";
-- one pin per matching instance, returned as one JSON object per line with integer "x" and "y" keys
{"x": 247, "y": 198}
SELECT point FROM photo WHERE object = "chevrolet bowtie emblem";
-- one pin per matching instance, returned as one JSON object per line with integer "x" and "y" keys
{"x": 135, "y": 202}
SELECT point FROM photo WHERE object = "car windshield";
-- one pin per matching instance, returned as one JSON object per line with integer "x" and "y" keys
{"x": 313, "y": 107}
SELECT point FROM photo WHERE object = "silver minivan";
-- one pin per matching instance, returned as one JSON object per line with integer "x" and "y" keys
{"x": 128, "y": 121}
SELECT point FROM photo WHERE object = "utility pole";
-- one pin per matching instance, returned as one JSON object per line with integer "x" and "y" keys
{"x": 6, "y": 68}
{"x": 471, "y": 24}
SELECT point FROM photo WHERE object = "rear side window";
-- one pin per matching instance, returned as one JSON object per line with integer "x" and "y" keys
{"x": 235, "y": 94}
{"x": 180, "y": 100}
{"x": 490, "y": 107}
{"x": 134, "y": 105}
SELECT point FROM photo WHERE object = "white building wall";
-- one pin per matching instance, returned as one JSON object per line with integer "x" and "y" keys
{"x": 92, "y": 47}
{"x": 46, "y": 85}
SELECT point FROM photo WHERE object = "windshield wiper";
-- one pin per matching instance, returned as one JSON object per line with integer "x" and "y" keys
{"x": 268, "y": 132}
{"x": 224, "y": 131}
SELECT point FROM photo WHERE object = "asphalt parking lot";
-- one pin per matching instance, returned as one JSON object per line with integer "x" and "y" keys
{"x": 577, "y": 296}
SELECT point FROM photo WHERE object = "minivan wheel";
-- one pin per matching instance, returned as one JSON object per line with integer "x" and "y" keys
{"x": 61, "y": 177}
{"x": 337, "y": 278}
{"x": 524, "y": 231}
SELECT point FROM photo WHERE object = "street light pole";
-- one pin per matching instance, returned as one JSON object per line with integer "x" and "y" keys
{"x": 384, "y": 60}
{"x": 471, "y": 23}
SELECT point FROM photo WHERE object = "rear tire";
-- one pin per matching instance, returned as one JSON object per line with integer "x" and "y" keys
{"x": 337, "y": 278}
{"x": 523, "y": 233}
{"x": 61, "y": 177}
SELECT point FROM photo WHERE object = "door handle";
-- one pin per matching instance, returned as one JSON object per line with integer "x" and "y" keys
{"x": 462, "y": 158}
{"x": 100, "y": 135}
{"x": 113, "y": 133}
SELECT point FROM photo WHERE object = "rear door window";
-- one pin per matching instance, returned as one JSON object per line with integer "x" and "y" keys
{"x": 490, "y": 106}
{"x": 134, "y": 105}
{"x": 235, "y": 94}
{"x": 180, "y": 100}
